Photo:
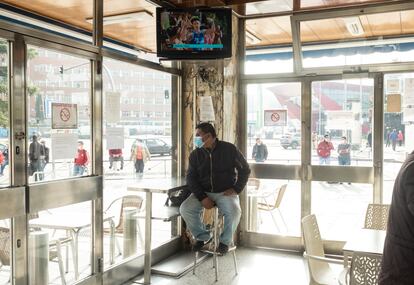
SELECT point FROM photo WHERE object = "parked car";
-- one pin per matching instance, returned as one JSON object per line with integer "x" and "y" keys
{"x": 290, "y": 140}
{"x": 157, "y": 146}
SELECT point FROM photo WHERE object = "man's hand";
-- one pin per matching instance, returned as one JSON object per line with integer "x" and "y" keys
{"x": 207, "y": 203}
{"x": 230, "y": 192}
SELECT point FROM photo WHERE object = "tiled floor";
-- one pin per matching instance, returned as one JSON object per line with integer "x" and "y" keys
{"x": 256, "y": 266}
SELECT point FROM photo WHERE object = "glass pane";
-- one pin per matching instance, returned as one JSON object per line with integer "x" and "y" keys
{"x": 342, "y": 118}
{"x": 264, "y": 32}
{"x": 398, "y": 126}
{"x": 4, "y": 114}
{"x": 137, "y": 145}
{"x": 273, "y": 206}
{"x": 340, "y": 208}
{"x": 59, "y": 114}
{"x": 5, "y": 251}
{"x": 367, "y": 39}
{"x": 64, "y": 242}
{"x": 273, "y": 122}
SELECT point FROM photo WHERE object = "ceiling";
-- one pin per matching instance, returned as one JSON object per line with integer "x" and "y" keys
{"x": 141, "y": 33}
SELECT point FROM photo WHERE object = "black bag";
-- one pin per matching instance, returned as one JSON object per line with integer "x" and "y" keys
{"x": 177, "y": 197}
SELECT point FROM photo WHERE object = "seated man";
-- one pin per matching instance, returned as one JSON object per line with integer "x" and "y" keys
{"x": 116, "y": 155}
{"x": 217, "y": 173}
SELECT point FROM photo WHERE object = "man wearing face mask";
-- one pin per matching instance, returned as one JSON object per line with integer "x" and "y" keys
{"x": 216, "y": 174}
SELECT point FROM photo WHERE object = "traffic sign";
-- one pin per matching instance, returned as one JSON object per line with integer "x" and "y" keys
{"x": 64, "y": 116}
{"x": 275, "y": 117}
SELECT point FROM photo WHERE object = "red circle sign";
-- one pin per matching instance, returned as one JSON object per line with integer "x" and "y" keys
{"x": 275, "y": 117}
{"x": 65, "y": 114}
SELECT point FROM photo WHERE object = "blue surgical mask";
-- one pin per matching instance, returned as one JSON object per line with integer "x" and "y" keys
{"x": 198, "y": 142}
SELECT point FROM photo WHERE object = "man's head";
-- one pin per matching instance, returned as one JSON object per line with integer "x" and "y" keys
{"x": 258, "y": 141}
{"x": 326, "y": 137}
{"x": 34, "y": 138}
{"x": 344, "y": 139}
{"x": 195, "y": 21}
{"x": 80, "y": 144}
{"x": 207, "y": 133}
{"x": 43, "y": 142}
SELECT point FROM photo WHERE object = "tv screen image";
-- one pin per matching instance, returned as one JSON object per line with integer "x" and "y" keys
{"x": 194, "y": 33}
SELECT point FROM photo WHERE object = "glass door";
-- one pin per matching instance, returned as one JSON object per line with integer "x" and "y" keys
{"x": 274, "y": 152}
{"x": 342, "y": 131}
{"x": 398, "y": 127}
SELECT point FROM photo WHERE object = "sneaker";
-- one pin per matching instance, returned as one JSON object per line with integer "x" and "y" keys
{"x": 198, "y": 245}
{"x": 222, "y": 249}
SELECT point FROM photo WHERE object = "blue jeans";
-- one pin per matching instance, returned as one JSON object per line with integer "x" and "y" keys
{"x": 78, "y": 170}
{"x": 324, "y": 160}
{"x": 229, "y": 206}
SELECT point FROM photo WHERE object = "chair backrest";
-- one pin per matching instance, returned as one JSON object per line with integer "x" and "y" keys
{"x": 365, "y": 268}
{"x": 254, "y": 183}
{"x": 314, "y": 246}
{"x": 280, "y": 194}
{"x": 129, "y": 201}
{"x": 5, "y": 246}
{"x": 376, "y": 217}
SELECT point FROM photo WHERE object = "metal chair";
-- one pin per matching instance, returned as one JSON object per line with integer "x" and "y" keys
{"x": 376, "y": 217}
{"x": 128, "y": 201}
{"x": 266, "y": 206}
{"x": 319, "y": 266}
{"x": 216, "y": 224}
{"x": 55, "y": 253}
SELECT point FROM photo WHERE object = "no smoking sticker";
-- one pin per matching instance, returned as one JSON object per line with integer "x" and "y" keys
{"x": 64, "y": 116}
{"x": 275, "y": 117}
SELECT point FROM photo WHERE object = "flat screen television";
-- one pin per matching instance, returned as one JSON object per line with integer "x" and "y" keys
{"x": 203, "y": 33}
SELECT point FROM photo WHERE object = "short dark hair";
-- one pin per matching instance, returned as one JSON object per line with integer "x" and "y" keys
{"x": 207, "y": 128}
{"x": 344, "y": 137}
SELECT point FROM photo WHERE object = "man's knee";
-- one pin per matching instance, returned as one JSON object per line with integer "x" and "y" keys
{"x": 232, "y": 209}
{"x": 189, "y": 206}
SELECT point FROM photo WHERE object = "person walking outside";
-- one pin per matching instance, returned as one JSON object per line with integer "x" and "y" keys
{"x": 5, "y": 161}
{"x": 393, "y": 138}
{"x": 344, "y": 152}
{"x": 116, "y": 155}
{"x": 81, "y": 160}
{"x": 398, "y": 255}
{"x": 44, "y": 158}
{"x": 324, "y": 151}
{"x": 400, "y": 138}
{"x": 259, "y": 151}
{"x": 387, "y": 137}
{"x": 140, "y": 155}
{"x": 36, "y": 152}
{"x": 216, "y": 175}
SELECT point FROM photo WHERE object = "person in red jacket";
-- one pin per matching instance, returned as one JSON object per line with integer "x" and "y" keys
{"x": 81, "y": 160}
{"x": 324, "y": 151}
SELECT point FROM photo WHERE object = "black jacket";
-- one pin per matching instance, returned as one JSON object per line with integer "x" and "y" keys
{"x": 215, "y": 170}
{"x": 398, "y": 257}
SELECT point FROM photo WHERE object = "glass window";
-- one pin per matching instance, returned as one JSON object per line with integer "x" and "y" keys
{"x": 398, "y": 126}
{"x": 261, "y": 33}
{"x": 59, "y": 117}
{"x": 273, "y": 206}
{"x": 323, "y": 3}
{"x": 127, "y": 131}
{"x": 273, "y": 122}
{"x": 366, "y": 39}
{"x": 340, "y": 208}
{"x": 5, "y": 251}
{"x": 4, "y": 114}
{"x": 342, "y": 120}
{"x": 52, "y": 227}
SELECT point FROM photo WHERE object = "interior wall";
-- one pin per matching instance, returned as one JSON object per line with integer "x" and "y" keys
{"x": 218, "y": 79}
